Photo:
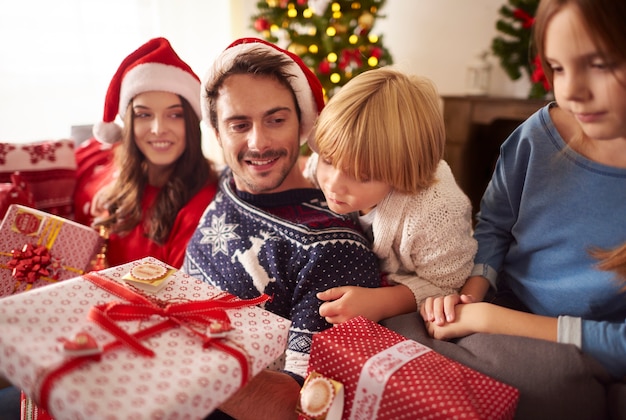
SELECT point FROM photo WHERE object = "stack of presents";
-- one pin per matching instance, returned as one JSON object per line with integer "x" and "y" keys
{"x": 144, "y": 340}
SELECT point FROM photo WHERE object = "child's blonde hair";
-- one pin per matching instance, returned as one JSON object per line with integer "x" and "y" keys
{"x": 384, "y": 125}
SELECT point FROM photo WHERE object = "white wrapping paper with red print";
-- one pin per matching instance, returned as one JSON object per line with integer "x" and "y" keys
{"x": 386, "y": 376}
{"x": 38, "y": 248}
{"x": 185, "y": 377}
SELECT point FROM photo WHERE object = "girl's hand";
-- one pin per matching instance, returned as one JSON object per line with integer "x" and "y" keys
{"x": 469, "y": 319}
{"x": 441, "y": 309}
{"x": 346, "y": 302}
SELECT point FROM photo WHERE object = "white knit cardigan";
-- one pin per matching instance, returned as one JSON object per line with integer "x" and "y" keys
{"x": 424, "y": 241}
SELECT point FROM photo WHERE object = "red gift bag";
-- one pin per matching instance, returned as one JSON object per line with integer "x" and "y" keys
{"x": 386, "y": 376}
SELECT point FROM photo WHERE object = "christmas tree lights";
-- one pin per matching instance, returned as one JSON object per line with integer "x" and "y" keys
{"x": 333, "y": 38}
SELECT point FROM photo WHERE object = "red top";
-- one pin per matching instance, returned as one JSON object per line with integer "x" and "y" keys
{"x": 95, "y": 170}
{"x": 135, "y": 245}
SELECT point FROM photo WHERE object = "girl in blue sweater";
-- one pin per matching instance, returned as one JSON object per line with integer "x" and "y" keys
{"x": 557, "y": 196}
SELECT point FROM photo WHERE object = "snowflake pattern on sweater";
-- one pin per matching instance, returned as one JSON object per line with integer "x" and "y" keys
{"x": 288, "y": 245}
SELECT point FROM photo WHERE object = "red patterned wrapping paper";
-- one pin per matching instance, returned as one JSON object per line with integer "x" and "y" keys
{"x": 421, "y": 383}
{"x": 68, "y": 248}
{"x": 30, "y": 411}
{"x": 182, "y": 380}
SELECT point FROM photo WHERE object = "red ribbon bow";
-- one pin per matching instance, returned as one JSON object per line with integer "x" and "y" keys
{"x": 349, "y": 56}
{"x": 193, "y": 316}
{"x": 523, "y": 16}
{"x": 538, "y": 75}
{"x": 30, "y": 263}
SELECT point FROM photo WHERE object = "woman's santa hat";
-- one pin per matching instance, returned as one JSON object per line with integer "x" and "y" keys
{"x": 306, "y": 86}
{"x": 154, "y": 66}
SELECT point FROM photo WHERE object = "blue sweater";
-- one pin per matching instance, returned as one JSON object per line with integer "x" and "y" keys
{"x": 288, "y": 245}
{"x": 544, "y": 208}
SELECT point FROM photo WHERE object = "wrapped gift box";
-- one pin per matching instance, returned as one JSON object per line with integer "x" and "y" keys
{"x": 38, "y": 248}
{"x": 160, "y": 357}
{"x": 386, "y": 376}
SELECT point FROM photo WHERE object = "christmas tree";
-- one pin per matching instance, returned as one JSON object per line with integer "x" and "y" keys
{"x": 333, "y": 38}
{"x": 513, "y": 47}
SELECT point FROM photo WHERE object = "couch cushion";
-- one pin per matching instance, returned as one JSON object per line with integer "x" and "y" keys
{"x": 49, "y": 169}
{"x": 15, "y": 192}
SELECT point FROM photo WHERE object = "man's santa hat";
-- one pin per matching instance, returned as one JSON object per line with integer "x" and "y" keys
{"x": 152, "y": 67}
{"x": 306, "y": 86}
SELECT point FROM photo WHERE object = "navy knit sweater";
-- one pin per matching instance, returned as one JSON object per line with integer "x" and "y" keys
{"x": 288, "y": 245}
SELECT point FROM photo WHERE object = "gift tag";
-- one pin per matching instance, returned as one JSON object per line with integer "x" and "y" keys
{"x": 149, "y": 277}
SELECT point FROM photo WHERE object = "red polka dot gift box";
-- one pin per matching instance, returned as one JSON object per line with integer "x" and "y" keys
{"x": 38, "y": 248}
{"x": 383, "y": 375}
{"x": 103, "y": 346}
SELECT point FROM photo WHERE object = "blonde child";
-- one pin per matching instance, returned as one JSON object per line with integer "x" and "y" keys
{"x": 558, "y": 194}
{"x": 379, "y": 145}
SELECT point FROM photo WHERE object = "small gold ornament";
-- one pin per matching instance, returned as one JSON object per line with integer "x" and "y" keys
{"x": 297, "y": 49}
{"x": 366, "y": 20}
{"x": 100, "y": 262}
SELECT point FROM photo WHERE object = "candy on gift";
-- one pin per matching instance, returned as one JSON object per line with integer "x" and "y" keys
{"x": 386, "y": 376}
{"x": 98, "y": 344}
{"x": 38, "y": 248}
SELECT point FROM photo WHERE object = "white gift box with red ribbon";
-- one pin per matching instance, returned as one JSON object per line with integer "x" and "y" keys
{"x": 94, "y": 345}
{"x": 386, "y": 376}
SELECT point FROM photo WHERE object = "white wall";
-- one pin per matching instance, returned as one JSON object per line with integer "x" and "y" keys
{"x": 438, "y": 38}
{"x": 57, "y": 57}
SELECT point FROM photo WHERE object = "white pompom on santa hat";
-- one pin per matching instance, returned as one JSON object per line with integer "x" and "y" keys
{"x": 154, "y": 66}
{"x": 306, "y": 86}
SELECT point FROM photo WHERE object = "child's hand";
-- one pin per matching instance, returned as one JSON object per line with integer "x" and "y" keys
{"x": 346, "y": 302}
{"x": 441, "y": 309}
{"x": 463, "y": 325}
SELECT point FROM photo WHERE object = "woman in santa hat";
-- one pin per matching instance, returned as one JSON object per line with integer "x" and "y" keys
{"x": 146, "y": 185}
